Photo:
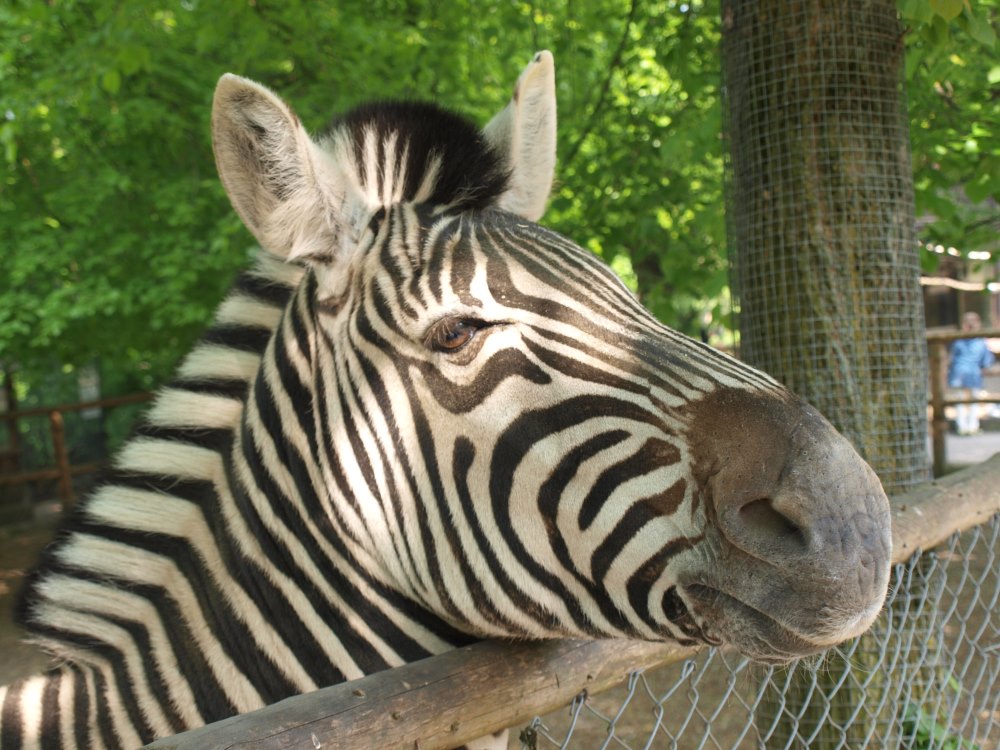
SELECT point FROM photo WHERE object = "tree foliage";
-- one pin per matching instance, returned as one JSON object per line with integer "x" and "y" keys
{"x": 953, "y": 85}
{"x": 118, "y": 240}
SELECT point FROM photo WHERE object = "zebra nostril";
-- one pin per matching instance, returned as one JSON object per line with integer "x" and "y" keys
{"x": 761, "y": 520}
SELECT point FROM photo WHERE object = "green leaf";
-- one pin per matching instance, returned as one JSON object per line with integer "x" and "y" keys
{"x": 916, "y": 11}
{"x": 133, "y": 58}
{"x": 986, "y": 181}
{"x": 947, "y": 9}
{"x": 111, "y": 81}
{"x": 937, "y": 33}
{"x": 980, "y": 29}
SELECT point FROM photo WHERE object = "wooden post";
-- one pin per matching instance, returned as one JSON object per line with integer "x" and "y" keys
{"x": 939, "y": 422}
{"x": 61, "y": 457}
{"x": 13, "y": 462}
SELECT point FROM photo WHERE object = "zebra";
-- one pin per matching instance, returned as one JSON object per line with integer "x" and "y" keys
{"x": 422, "y": 419}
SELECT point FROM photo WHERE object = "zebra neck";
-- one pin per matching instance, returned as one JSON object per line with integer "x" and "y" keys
{"x": 204, "y": 578}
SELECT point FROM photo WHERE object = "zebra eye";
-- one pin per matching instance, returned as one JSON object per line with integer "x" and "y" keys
{"x": 451, "y": 334}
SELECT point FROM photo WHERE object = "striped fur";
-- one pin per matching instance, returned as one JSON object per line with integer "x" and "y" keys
{"x": 326, "y": 490}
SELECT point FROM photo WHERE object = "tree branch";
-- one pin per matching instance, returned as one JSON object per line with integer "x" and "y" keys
{"x": 599, "y": 104}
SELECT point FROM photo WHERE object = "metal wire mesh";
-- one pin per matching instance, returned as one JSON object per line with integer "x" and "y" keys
{"x": 927, "y": 678}
{"x": 824, "y": 262}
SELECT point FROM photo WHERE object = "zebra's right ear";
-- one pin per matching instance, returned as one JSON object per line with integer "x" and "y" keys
{"x": 277, "y": 178}
{"x": 524, "y": 133}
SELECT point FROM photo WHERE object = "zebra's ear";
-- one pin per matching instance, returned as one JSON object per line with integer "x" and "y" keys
{"x": 524, "y": 132}
{"x": 277, "y": 179}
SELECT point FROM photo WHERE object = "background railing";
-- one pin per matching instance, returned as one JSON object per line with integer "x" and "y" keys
{"x": 63, "y": 469}
{"x": 931, "y": 681}
{"x": 937, "y": 350}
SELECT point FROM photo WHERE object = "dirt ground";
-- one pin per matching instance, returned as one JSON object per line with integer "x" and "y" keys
{"x": 19, "y": 548}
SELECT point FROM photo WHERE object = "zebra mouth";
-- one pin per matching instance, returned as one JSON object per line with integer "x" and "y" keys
{"x": 757, "y": 635}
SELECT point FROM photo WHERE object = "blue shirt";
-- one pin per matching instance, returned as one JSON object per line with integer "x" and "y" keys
{"x": 968, "y": 358}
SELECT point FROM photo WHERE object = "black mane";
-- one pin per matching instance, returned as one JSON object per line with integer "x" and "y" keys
{"x": 472, "y": 173}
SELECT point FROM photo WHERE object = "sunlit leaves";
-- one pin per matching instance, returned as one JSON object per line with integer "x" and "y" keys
{"x": 123, "y": 240}
{"x": 953, "y": 87}
{"x": 947, "y": 9}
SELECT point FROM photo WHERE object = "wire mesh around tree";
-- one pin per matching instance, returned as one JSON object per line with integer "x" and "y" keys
{"x": 942, "y": 619}
{"x": 824, "y": 263}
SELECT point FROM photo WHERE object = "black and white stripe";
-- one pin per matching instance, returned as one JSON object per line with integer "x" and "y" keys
{"x": 324, "y": 490}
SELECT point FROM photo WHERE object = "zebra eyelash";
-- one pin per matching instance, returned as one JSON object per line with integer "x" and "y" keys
{"x": 441, "y": 336}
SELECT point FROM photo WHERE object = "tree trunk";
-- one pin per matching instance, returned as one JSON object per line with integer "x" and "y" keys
{"x": 825, "y": 271}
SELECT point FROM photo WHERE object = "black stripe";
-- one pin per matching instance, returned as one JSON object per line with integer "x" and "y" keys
{"x": 216, "y": 439}
{"x": 267, "y": 290}
{"x": 51, "y": 735}
{"x": 81, "y": 707}
{"x": 301, "y": 332}
{"x": 114, "y": 656}
{"x": 639, "y": 584}
{"x": 549, "y": 498}
{"x": 11, "y": 727}
{"x": 626, "y": 528}
{"x": 208, "y": 694}
{"x": 678, "y": 613}
{"x": 401, "y": 603}
{"x": 376, "y": 388}
{"x": 234, "y": 388}
{"x": 464, "y": 454}
{"x": 239, "y": 337}
{"x": 518, "y": 439}
{"x": 654, "y": 454}
{"x": 504, "y": 364}
{"x": 296, "y": 635}
{"x": 104, "y": 724}
{"x": 362, "y": 602}
{"x": 577, "y": 369}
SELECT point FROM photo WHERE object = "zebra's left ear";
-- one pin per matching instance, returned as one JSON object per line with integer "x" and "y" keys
{"x": 524, "y": 133}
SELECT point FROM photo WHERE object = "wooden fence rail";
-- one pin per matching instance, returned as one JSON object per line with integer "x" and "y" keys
{"x": 458, "y": 696}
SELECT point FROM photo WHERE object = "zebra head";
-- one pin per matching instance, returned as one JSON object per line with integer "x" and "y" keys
{"x": 496, "y": 425}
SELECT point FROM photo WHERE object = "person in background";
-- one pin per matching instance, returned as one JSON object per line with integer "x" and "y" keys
{"x": 965, "y": 372}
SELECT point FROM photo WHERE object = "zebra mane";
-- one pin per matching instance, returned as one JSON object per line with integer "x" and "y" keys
{"x": 184, "y": 433}
{"x": 440, "y": 157}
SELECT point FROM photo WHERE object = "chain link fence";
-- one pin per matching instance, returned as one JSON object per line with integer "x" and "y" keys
{"x": 928, "y": 678}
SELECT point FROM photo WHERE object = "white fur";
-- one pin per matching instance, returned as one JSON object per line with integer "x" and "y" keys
{"x": 243, "y": 310}
{"x": 215, "y": 361}
{"x": 170, "y": 458}
{"x": 177, "y": 407}
{"x": 273, "y": 269}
